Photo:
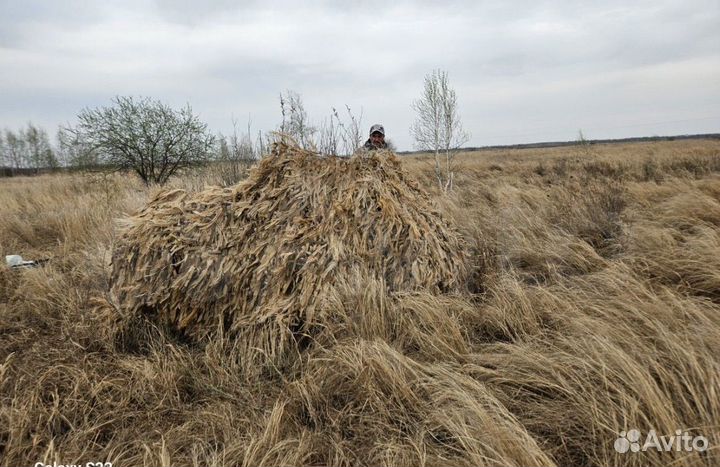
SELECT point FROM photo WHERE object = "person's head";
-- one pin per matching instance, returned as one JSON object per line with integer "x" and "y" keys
{"x": 377, "y": 135}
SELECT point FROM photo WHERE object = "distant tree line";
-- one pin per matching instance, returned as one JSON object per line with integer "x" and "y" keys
{"x": 30, "y": 150}
{"x": 27, "y": 149}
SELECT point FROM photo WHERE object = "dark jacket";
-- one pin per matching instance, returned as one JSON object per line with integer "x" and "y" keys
{"x": 371, "y": 147}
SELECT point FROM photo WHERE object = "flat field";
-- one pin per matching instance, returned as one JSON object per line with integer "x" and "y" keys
{"x": 592, "y": 309}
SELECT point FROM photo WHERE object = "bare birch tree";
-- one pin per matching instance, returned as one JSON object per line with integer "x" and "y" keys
{"x": 15, "y": 150}
{"x": 4, "y": 159}
{"x": 437, "y": 127}
{"x": 39, "y": 152}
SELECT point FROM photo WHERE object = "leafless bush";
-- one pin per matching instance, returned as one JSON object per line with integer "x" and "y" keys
{"x": 145, "y": 136}
{"x": 295, "y": 121}
{"x": 340, "y": 137}
{"x": 237, "y": 152}
{"x": 336, "y": 135}
{"x": 584, "y": 145}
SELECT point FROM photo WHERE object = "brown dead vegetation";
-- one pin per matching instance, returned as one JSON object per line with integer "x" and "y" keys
{"x": 573, "y": 303}
{"x": 254, "y": 261}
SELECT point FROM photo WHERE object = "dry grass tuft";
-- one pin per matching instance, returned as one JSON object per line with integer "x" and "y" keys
{"x": 392, "y": 410}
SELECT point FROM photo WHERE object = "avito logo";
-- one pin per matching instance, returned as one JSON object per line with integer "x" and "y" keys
{"x": 680, "y": 441}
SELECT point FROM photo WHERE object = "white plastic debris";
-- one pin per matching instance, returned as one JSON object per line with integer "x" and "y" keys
{"x": 16, "y": 261}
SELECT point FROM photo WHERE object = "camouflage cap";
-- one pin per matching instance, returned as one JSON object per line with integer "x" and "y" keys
{"x": 377, "y": 128}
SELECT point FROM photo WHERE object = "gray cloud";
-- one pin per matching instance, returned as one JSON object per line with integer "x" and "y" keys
{"x": 524, "y": 71}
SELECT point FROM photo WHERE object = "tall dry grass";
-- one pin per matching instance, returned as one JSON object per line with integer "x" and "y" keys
{"x": 594, "y": 309}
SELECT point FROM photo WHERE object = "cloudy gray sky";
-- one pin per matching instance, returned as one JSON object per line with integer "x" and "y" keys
{"x": 523, "y": 70}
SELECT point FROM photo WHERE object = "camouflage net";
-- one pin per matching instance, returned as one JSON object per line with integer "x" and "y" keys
{"x": 255, "y": 259}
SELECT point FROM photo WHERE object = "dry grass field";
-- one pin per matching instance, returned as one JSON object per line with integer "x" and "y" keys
{"x": 591, "y": 307}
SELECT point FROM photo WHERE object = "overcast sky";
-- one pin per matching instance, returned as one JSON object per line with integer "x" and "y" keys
{"x": 524, "y": 71}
